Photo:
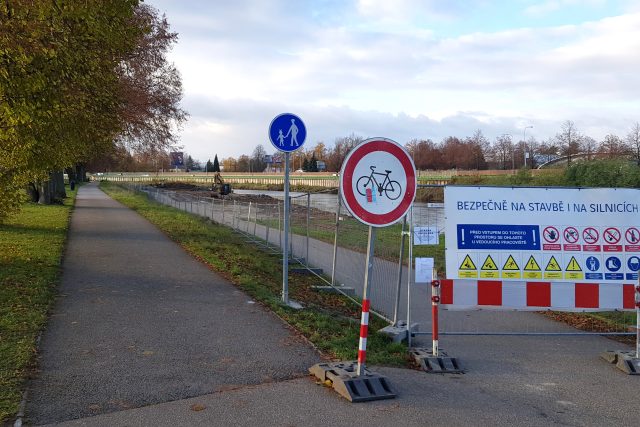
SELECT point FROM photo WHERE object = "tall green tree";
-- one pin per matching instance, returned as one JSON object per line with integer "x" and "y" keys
{"x": 66, "y": 69}
{"x": 216, "y": 164}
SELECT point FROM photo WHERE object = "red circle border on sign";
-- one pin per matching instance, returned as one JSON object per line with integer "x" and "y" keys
{"x": 346, "y": 179}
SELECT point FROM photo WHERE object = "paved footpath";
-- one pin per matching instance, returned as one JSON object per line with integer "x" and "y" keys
{"x": 143, "y": 335}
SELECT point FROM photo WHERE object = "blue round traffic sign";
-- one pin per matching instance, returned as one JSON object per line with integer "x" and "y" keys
{"x": 613, "y": 263}
{"x": 287, "y": 132}
{"x": 633, "y": 263}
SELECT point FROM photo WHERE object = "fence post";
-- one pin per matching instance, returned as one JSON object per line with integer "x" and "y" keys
{"x": 291, "y": 255}
{"x": 401, "y": 257}
{"x": 279, "y": 226}
{"x": 255, "y": 220}
{"x": 248, "y": 217}
{"x": 267, "y": 231}
{"x": 335, "y": 242}
{"x": 233, "y": 217}
{"x": 223, "y": 210}
{"x": 409, "y": 277}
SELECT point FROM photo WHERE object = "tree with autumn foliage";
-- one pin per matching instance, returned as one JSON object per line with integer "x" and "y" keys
{"x": 77, "y": 81}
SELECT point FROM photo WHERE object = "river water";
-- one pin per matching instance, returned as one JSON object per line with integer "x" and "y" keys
{"x": 424, "y": 214}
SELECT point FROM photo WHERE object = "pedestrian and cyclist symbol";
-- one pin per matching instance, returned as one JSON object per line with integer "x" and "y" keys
{"x": 378, "y": 182}
{"x": 287, "y": 132}
{"x": 390, "y": 188}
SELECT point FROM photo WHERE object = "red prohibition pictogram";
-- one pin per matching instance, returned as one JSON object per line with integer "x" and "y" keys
{"x": 550, "y": 234}
{"x": 571, "y": 235}
{"x": 611, "y": 235}
{"x": 632, "y": 235}
{"x": 590, "y": 235}
{"x": 378, "y": 182}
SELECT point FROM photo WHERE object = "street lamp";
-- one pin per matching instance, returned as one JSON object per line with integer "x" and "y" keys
{"x": 524, "y": 138}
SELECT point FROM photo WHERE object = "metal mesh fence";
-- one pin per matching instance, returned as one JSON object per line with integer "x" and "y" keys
{"x": 332, "y": 244}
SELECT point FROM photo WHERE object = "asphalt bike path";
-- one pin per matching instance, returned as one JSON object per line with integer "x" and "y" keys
{"x": 174, "y": 377}
{"x": 140, "y": 322}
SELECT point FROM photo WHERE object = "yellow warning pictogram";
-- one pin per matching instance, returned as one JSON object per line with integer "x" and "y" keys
{"x": 489, "y": 264}
{"x": 553, "y": 270}
{"x": 467, "y": 264}
{"x": 573, "y": 265}
{"x": 573, "y": 270}
{"x": 489, "y": 269}
{"x": 510, "y": 264}
{"x": 532, "y": 264}
{"x": 553, "y": 265}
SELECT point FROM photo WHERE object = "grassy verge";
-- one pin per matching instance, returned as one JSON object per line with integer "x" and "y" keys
{"x": 330, "y": 322}
{"x": 31, "y": 246}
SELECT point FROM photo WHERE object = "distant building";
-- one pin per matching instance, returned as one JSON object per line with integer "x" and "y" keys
{"x": 322, "y": 166}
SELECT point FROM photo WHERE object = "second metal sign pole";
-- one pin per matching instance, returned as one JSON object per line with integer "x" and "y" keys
{"x": 364, "y": 323}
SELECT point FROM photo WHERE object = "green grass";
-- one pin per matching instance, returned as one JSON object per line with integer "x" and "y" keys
{"x": 329, "y": 321}
{"x": 353, "y": 235}
{"x": 31, "y": 246}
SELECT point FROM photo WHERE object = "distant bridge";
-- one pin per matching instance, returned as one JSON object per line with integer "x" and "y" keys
{"x": 564, "y": 160}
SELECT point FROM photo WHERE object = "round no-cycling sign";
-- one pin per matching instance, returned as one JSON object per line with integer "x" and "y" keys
{"x": 378, "y": 182}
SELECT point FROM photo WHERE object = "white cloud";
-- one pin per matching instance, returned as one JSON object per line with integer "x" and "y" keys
{"x": 376, "y": 71}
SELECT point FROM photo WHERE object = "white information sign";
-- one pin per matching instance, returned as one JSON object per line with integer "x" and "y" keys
{"x": 545, "y": 234}
{"x": 424, "y": 270}
{"x": 426, "y": 236}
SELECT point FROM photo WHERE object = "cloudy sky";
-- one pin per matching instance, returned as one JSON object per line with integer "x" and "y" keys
{"x": 403, "y": 69}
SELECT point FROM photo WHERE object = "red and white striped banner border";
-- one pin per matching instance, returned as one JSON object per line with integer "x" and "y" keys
{"x": 517, "y": 295}
{"x": 364, "y": 329}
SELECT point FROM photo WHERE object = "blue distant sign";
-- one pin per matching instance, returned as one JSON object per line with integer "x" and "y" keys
{"x": 498, "y": 236}
{"x": 287, "y": 132}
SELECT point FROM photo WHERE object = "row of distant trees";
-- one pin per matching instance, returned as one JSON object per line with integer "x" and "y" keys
{"x": 468, "y": 153}
{"x": 475, "y": 152}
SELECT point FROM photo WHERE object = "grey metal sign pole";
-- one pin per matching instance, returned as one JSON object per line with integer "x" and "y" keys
{"x": 287, "y": 133}
{"x": 285, "y": 246}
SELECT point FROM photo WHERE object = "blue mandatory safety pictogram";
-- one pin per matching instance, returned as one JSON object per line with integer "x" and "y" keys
{"x": 613, "y": 263}
{"x": 633, "y": 263}
{"x": 592, "y": 263}
{"x": 593, "y": 272}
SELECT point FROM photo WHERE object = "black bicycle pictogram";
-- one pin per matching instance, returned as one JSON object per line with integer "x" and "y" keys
{"x": 390, "y": 188}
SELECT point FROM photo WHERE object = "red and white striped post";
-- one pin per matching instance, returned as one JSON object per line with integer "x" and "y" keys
{"x": 364, "y": 324}
{"x": 364, "y": 329}
{"x": 435, "y": 302}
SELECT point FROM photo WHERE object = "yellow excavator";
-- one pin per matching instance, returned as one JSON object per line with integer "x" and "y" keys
{"x": 219, "y": 188}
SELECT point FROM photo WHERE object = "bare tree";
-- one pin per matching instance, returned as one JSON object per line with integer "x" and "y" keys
{"x": 258, "y": 163}
{"x": 569, "y": 140}
{"x": 503, "y": 149}
{"x": 613, "y": 145}
{"x": 633, "y": 141}
{"x": 589, "y": 146}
